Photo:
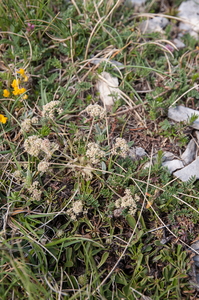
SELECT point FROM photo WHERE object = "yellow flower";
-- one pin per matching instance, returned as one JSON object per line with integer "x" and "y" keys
{"x": 15, "y": 83}
{"x": 25, "y": 97}
{"x": 6, "y": 93}
{"x": 21, "y": 91}
{"x": 25, "y": 78}
{"x": 21, "y": 72}
{"x": 3, "y": 119}
{"x": 16, "y": 91}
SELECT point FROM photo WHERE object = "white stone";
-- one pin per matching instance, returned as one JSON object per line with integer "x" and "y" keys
{"x": 189, "y": 11}
{"x": 197, "y": 136}
{"x": 156, "y": 24}
{"x": 168, "y": 156}
{"x": 173, "y": 165}
{"x": 181, "y": 113}
{"x": 135, "y": 2}
{"x": 190, "y": 153}
{"x": 96, "y": 61}
{"x": 179, "y": 44}
{"x": 137, "y": 152}
{"x": 140, "y": 151}
{"x": 191, "y": 170}
{"x": 107, "y": 86}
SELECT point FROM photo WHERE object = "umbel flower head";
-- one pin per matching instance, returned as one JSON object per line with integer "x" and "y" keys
{"x": 26, "y": 125}
{"x": 128, "y": 202}
{"x": 51, "y": 108}
{"x": 43, "y": 166}
{"x": 94, "y": 153}
{"x": 96, "y": 110}
{"x": 76, "y": 209}
{"x": 35, "y": 191}
{"x": 121, "y": 147}
{"x": 35, "y": 145}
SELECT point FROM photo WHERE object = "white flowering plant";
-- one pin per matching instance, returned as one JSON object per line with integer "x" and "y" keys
{"x": 84, "y": 86}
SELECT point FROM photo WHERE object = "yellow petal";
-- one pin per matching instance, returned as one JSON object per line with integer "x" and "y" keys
{"x": 21, "y": 72}
{"x": 3, "y": 119}
{"x": 6, "y": 93}
{"x": 15, "y": 83}
{"x": 25, "y": 78}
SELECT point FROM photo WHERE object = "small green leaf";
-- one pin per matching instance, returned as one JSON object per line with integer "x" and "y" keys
{"x": 166, "y": 274}
{"x": 156, "y": 258}
{"x": 68, "y": 264}
{"x": 148, "y": 248}
{"x": 126, "y": 290}
{"x": 131, "y": 221}
{"x": 68, "y": 253}
{"x": 103, "y": 259}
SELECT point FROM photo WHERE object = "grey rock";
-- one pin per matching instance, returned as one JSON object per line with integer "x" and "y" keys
{"x": 195, "y": 273}
{"x": 167, "y": 156}
{"x": 189, "y": 11}
{"x": 195, "y": 246}
{"x": 96, "y": 61}
{"x": 135, "y": 2}
{"x": 179, "y": 44}
{"x": 196, "y": 260}
{"x": 181, "y": 113}
{"x": 190, "y": 153}
{"x": 191, "y": 170}
{"x": 156, "y": 24}
{"x": 140, "y": 151}
{"x": 197, "y": 135}
{"x": 173, "y": 165}
{"x": 137, "y": 152}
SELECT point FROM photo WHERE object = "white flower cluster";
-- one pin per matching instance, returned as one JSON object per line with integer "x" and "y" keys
{"x": 35, "y": 191}
{"x": 76, "y": 209}
{"x": 43, "y": 166}
{"x": 49, "y": 148}
{"x": 26, "y": 124}
{"x": 96, "y": 111}
{"x": 87, "y": 172}
{"x": 34, "y": 120}
{"x": 94, "y": 153}
{"x": 121, "y": 147}
{"x": 18, "y": 176}
{"x": 128, "y": 202}
{"x": 50, "y": 109}
{"x": 34, "y": 145}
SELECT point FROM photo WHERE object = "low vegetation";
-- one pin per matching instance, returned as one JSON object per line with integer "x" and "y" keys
{"x": 81, "y": 218}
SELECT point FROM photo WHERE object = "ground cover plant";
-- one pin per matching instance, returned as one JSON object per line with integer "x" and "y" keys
{"x": 81, "y": 218}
